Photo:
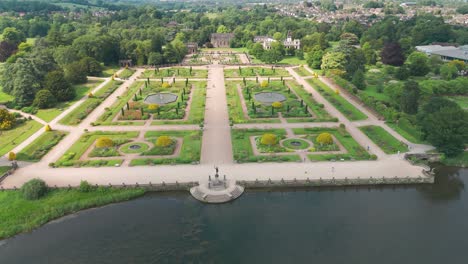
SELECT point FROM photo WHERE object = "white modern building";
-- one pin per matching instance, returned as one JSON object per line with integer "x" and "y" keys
{"x": 446, "y": 53}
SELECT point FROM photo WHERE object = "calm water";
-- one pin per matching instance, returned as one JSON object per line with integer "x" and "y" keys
{"x": 379, "y": 225}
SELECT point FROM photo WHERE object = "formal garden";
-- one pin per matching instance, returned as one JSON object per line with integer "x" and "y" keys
{"x": 255, "y": 71}
{"x": 260, "y": 102}
{"x": 96, "y": 149}
{"x": 275, "y": 145}
{"x": 163, "y": 102}
{"x": 41, "y": 146}
{"x": 178, "y": 72}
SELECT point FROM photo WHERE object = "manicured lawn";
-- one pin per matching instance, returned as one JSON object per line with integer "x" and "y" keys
{"x": 4, "y": 169}
{"x": 21, "y": 215}
{"x": 354, "y": 150}
{"x": 293, "y": 60}
{"x": 340, "y": 103}
{"x": 302, "y": 71}
{"x": 126, "y": 73}
{"x": 242, "y": 147}
{"x": 109, "y": 71}
{"x": 41, "y": 146}
{"x": 372, "y": 90}
{"x": 384, "y": 140}
{"x": 196, "y": 114}
{"x": 4, "y": 97}
{"x": 235, "y": 107}
{"x": 83, "y": 110}
{"x": 81, "y": 91}
{"x": 178, "y": 72}
{"x": 408, "y": 131}
{"x": 190, "y": 152}
{"x": 254, "y": 71}
{"x": 74, "y": 153}
{"x": 11, "y": 138}
{"x": 321, "y": 114}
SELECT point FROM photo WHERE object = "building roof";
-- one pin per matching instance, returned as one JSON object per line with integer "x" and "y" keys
{"x": 433, "y": 48}
{"x": 453, "y": 53}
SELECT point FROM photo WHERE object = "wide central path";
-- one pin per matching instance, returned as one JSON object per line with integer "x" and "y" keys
{"x": 216, "y": 144}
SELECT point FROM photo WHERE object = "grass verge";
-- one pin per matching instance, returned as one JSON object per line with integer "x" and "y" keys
{"x": 388, "y": 143}
{"x": 11, "y": 138}
{"x": 41, "y": 146}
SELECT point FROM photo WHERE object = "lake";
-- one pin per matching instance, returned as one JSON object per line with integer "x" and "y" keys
{"x": 409, "y": 224}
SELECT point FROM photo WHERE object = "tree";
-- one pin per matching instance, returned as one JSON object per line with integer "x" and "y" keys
{"x": 155, "y": 58}
{"x": 92, "y": 66}
{"x": 369, "y": 53}
{"x": 351, "y": 38}
{"x": 392, "y": 54}
{"x": 435, "y": 62}
{"x": 418, "y": 64}
{"x": 60, "y": 88}
{"x": 6, "y": 50}
{"x": 164, "y": 141}
{"x": 65, "y": 55}
{"x": 12, "y": 35}
{"x": 104, "y": 142}
{"x": 359, "y": 80}
{"x": 314, "y": 57}
{"x": 76, "y": 73}
{"x": 268, "y": 139}
{"x": 256, "y": 50}
{"x": 459, "y": 64}
{"x": 409, "y": 100}
{"x": 222, "y": 29}
{"x": 275, "y": 54}
{"x": 7, "y": 120}
{"x": 333, "y": 61}
{"x": 44, "y": 99}
{"x": 402, "y": 73}
{"x": 34, "y": 189}
{"x": 324, "y": 139}
{"x": 445, "y": 125}
{"x": 448, "y": 71}
{"x": 157, "y": 42}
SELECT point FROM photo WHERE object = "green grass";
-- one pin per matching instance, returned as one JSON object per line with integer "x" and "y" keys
{"x": 11, "y": 138}
{"x": 318, "y": 109}
{"x": 293, "y": 60}
{"x": 41, "y": 146}
{"x": 126, "y": 73}
{"x": 196, "y": 114}
{"x": 4, "y": 169}
{"x": 190, "y": 151}
{"x": 354, "y": 150}
{"x": 4, "y": 97}
{"x": 388, "y": 143}
{"x": 340, "y": 103}
{"x": 83, "y": 110}
{"x": 302, "y": 71}
{"x": 254, "y": 71}
{"x": 408, "y": 131}
{"x": 460, "y": 160}
{"x": 178, "y": 72}
{"x": 243, "y": 151}
{"x": 236, "y": 113}
{"x": 81, "y": 90}
{"x": 462, "y": 101}
{"x": 74, "y": 153}
{"x": 110, "y": 70}
{"x": 19, "y": 215}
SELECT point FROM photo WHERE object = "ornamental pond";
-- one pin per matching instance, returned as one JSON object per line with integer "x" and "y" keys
{"x": 393, "y": 224}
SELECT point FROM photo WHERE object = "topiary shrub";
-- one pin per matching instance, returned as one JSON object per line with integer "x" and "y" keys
{"x": 325, "y": 139}
{"x": 163, "y": 141}
{"x": 104, "y": 142}
{"x": 165, "y": 85}
{"x": 85, "y": 187}
{"x": 277, "y": 104}
{"x": 48, "y": 128}
{"x": 11, "y": 156}
{"x": 268, "y": 139}
{"x": 34, "y": 189}
{"x": 264, "y": 84}
{"x": 44, "y": 99}
{"x": 153, "y": 107}
{"x": 7, "y": 120}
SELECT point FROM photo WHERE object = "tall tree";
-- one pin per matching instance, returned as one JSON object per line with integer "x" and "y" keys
{"x": 392, "y": 54}
{"x": 60, "y": 88}
{"x": 418, "y": 64}
{"x": 409, "y": 101}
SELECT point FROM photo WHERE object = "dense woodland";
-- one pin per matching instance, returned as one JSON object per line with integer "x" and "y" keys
{"x": 68, "y": 46}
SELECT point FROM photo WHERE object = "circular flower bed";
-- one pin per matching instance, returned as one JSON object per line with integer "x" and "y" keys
{"x": 134, "y": 147}
{"x": 295, "y": 143}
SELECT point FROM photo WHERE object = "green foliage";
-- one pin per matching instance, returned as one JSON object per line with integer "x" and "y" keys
{"x": 44, "y": 99}
{"x": 60, "y": 88}
{"x": 7, "y": 119}
{"x": 85, "y": 187}
{"x": 34, "y": 189}
{"x": 409, "y": 100}
{"x": 418, "y": 64}
{"x": 448, "y": 71}
{"x": 333, "y": 61}
{"x": 359, "y": 80}
{"x": 384, "y": 140}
